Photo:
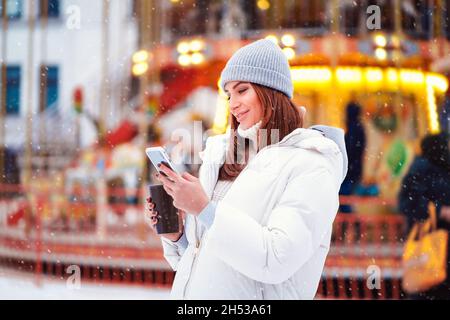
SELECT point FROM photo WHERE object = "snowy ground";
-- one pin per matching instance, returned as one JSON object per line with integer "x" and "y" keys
{"x": 17, "y": 286}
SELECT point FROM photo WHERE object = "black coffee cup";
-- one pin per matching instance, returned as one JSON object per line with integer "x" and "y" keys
{"x": 168, "y": 221}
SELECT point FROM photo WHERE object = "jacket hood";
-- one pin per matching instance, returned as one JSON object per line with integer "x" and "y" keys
{"x": 324, "y": 139}
{"x": 337, "y": 135}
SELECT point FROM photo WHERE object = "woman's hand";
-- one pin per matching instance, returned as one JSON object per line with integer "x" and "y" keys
{"x": 151, "y": 218}
{"x": 187, "y": 192}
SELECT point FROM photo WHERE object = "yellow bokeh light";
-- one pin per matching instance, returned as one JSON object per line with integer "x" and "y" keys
{"x": 374, "y": 75}
{"x": 380, "y": 54}
{"x": 433, "y": 121}
{"x": 183, "y": 47}
{"x": 288, "y": 40}
{"x": 349, "y": 75}
{"x": 184, "y": 60}
{"x": 263, "y": 4}
{"x": 289, "y": 53}
{"x": 196, "y": 45}
{"x": 197, "y": 58}
{"x": 139, "y": 68}
{"x": 380, "y": 40}
{"x": 374, "y": 78}
{"x": 392, "y": 76}
{"x": 140, "y": 56}
{"x": 273, "y": 38}
{"x": 412, "y": 77}
{"x": 319, "y": 75}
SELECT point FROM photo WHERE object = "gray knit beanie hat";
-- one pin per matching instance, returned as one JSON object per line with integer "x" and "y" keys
{"x": 261, "y": 62}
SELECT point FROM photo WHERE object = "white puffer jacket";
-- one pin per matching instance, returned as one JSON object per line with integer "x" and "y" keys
{"x": 271, "y": 232}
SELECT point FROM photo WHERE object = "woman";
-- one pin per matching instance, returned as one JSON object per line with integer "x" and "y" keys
{"x": 259, "y": 217}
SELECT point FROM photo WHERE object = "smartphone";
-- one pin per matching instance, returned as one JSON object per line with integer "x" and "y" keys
{"x": 158, "y": 155}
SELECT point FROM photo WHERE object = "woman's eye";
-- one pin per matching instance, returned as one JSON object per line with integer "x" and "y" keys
{"x": 242, "y": 91}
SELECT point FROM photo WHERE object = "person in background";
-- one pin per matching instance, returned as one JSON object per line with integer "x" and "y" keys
{"x": 428, "y": 179}
{"x": 355, "y": 142}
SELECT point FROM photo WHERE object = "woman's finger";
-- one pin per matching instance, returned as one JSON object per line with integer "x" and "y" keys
{"x": 166, "y": 181}
{"x": 151, "y": 214}
{"x": 188, "y": 176}
{"x": 170, "y": 174}
{"x": 148, "y": 219}
{"x": 156, "y": 216}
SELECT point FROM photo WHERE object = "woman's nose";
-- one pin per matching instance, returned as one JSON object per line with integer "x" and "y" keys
{"x": 234, "y": 105}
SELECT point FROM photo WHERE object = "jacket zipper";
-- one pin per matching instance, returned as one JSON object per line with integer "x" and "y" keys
{"x": 196, "y": 251}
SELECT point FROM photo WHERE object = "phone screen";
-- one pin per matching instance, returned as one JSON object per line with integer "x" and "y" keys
{"x": 157, "y": 157}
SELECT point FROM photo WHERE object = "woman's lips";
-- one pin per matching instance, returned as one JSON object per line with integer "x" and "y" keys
{"x": 241, "y": 115}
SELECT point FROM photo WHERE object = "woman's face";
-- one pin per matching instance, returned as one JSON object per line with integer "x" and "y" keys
{"x": 244, "y": 103}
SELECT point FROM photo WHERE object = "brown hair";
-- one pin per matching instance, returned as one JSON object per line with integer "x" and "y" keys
{"x": 279, "y": 113}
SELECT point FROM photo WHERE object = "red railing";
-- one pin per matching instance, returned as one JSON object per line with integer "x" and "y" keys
{"x": 38, "y": 240}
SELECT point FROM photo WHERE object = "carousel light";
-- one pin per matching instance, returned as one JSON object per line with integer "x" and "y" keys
{"x": 380, "y": 40}
{"x": 289, "y": 53}
{"x": 288, "y": 40}
{"x": 319, "y": 79}
{"x": 140, "y": 62}
{"x": 139, "y": 69}
{"x": 197, "y": 58}
{"x": 196, "y": 45}
{"x": 438, "y": 82}
{"x": 183, "y": 47}
{"x": 349, "y": 75}
{"x": 374, "y": 78}
{"x": 374, "y": 75}
{"x": 184, "y": 59}
{"x": 433, "y": 119}
{"x": 434, "y": 83}
{"x": 273, "y": 38}
{"x": 140, "y": 56}
{"x": 263, "y": 4}
{"x": 191, "y": 52}
{"x": 380, "y": 54}
{"x": 313, "y": 75}
{"x": 412, "y": 77}
{"x": 392, "y": 76}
